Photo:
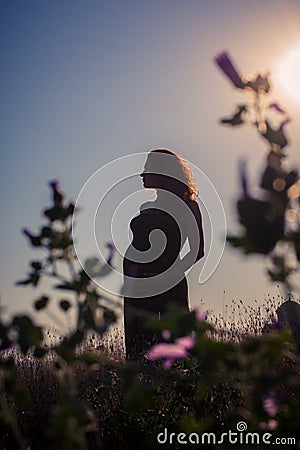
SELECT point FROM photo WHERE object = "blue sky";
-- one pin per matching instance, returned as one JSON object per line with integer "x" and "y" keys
{"x": 83, "y": 83}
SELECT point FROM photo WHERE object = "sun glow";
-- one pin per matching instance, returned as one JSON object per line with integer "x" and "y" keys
{"x": 289, "y": 74}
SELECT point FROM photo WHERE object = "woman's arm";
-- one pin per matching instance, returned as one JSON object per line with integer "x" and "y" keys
{"x": 196, "y": 237}
{"x": 197, "y": 214}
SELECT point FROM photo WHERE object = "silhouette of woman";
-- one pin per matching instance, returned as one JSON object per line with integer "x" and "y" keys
{"x": 154, "y": 272}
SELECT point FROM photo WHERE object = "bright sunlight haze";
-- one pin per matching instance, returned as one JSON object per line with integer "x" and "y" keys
{"x": 289, "y": 73}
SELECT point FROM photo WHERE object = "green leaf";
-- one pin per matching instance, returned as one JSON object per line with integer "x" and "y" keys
{"x": 237, "y": 118}
{"x": 277, "y": 136}
{"x": 28, "y": 333}
{"x": 245, "y": 244}
{"x": 68, "y": 346}
{"x": 67, "y": 286}
{"x": 260, "y": 84}
{"x": 79, "y": 285}
{"x": 23, "y": 282}
{"x": 59, "y": 212}
{"x": 41, "y": 303}
{"x": 36, "y": 265}
{"x": 15, "y": 390}
{"x": 109, "y": 316}
{"x": 39, "y": 352}
{"x": 47, "y": 232}
{"x": 33, "y": 279}
{"x": 60, "y": 240}
{"x": 65, "y": 305}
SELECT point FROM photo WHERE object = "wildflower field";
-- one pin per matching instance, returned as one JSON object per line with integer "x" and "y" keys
{"x": 92, "y": 398}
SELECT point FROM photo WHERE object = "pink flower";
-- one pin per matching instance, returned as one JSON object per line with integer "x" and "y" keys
{"x": 272, "y": 424}
{"x": 170, "y": 352}
{"x": 168, "y": 363}
{"x": 270, "y": 405}
{"x": 186, "y": 342}
{"x": 200, "y": 314}
{"x": 225, "y": 64}
{"x": 113, "y": 359}
{"x": 166, "y": 334}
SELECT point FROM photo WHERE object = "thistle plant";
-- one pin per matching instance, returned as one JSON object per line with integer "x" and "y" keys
{"x": 270, "y": 224}
{"x": 69, "y": 417}
{"x": 60, "y": 264}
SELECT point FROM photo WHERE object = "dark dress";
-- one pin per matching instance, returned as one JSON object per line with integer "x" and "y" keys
{"x": 138, "y": 338}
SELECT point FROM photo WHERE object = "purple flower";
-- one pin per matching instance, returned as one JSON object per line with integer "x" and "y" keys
{"x": 111, "y": 247}
{"x": 27, "y": 232}
{"x": 58, "y": 195}
{"x": 270, "y": 405}
{"x": 6, "y": 345}
{"x": 276, "y": 107}
{"x": 274, "y": 322}
{"x": 53, "y": 183}
{"x": 34, "y": 240}
{"x": 225, "y": 64}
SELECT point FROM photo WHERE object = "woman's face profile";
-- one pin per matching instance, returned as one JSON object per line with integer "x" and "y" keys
{"x": 157, "y": 170}
{"x": 150, "y": 179}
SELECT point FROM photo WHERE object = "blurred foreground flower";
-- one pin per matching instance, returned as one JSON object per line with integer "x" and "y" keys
{"x": 224, "y": 62}
{"x": 270, "y": 425}
{"x": 263, "y": 222}
{"x": 35, "y": 241}
{"x": 236, "y": 118}
{"x": 186, "y": 342}
{"x": 166, "y": 334}
{"x": 270, "y": 405}
{"x": 200, "y": 314}
{"x": 57, "y": 195}
{"x": 275, "y": 136}
{"x": 274, "y": 322}
{"x": 95, "y": 268}
{"x": 276, "y": 107}
{"x": 171, "y": 352}
{"x": 259, "y": 84}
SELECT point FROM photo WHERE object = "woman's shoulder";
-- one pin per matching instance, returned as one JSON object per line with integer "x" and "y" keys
{"x": 152, "y": 209}
{"x": 192, "y": 203}
{"x": 147, "y": 207}
{"x": 194, "y": 207}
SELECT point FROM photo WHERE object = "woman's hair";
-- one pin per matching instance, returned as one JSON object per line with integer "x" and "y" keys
{"x": 178, "y": 175}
